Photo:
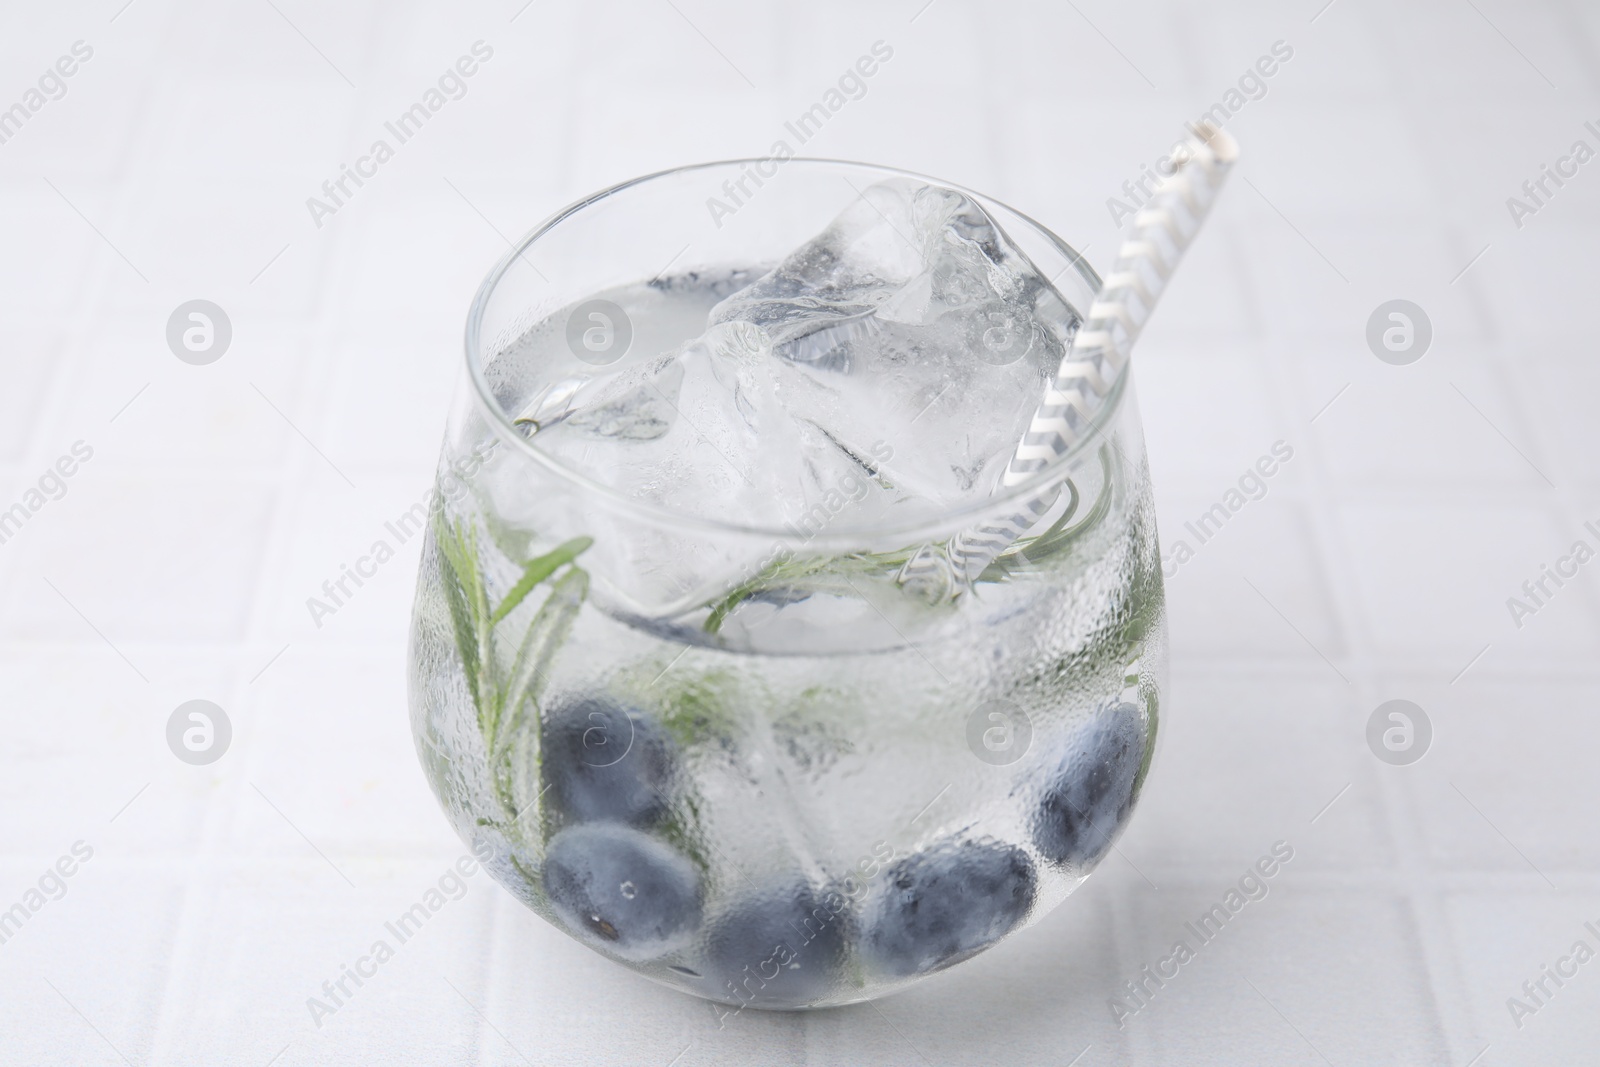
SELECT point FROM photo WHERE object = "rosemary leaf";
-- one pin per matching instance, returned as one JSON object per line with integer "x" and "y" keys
{"x": 537, "y": 570}
{"x": 458, "y": 572}
{"x": 514, "y": 750}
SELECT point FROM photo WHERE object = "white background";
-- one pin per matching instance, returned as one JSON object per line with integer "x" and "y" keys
{"x": 219, "y": 498}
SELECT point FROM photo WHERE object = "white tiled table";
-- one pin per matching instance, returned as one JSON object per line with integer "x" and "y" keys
{"x": 219, "y": 498}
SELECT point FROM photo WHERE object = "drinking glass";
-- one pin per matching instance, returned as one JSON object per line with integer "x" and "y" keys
{"x": 751, "y": 761}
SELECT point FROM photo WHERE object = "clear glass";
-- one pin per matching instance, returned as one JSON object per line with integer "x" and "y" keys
{"x": 812, "y": 785}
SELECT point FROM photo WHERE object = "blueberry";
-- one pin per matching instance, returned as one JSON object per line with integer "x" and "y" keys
{"x": 936, "y": 908}
{"x": 602, "y": 762}
{"x": 1091, "y": 791}
{"x": 622, "y": 891}
{"x": 780, "y": 948}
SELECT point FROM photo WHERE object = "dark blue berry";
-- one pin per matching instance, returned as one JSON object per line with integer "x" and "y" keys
{"x": 1090, "y": 792}
{"x": 780, "y": 948}
{"x": 602, "y": 762}
{"x": 621, "y": 890}
{"x": 936, "y": 908}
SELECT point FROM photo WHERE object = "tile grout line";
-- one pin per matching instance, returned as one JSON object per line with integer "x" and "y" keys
{"x": 1292, "y": 383}
{"x": 284, "y": 479}
{"x": 1464, "y": 1030}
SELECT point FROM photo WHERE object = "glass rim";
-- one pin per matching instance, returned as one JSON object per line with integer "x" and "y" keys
{"x": 500, "y": 422}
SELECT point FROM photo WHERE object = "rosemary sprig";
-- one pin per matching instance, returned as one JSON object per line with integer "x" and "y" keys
{"x": 503, "y": 698}
{"x": 819, "y": 573}
{"x": 537, "y": 570}
{"x": 514, "y": 750}
{"x": 811, "y": 574}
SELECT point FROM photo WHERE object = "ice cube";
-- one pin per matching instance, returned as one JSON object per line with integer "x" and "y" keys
{"x": 884, "y": 369}
{"x": 913, "y": 317}
{"x": 705, "y": 428}
{"x": 638, "y": 408}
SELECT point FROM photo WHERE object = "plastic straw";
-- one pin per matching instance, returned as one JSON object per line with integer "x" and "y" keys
{"x": 1162, "y": 232}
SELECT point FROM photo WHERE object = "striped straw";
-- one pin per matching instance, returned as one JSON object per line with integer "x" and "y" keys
{"x": 1162, "y": 232}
